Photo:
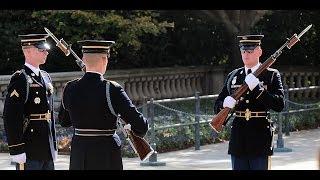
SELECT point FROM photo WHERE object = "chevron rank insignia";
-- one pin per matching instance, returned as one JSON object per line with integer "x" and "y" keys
{"x": 14, "y": 93}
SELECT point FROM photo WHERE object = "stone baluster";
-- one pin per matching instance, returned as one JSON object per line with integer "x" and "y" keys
{"x": 151, "y": 88}
{"x": 198, "y": 83}
{"x": 145, "y": 88}
{"x": 59, "y": 86}
{"x": 291, "y": 85}
{"x": 178, "y": 85}
{"x": 156, "y": 87}
{"x": 183, "y": 85}
{"x": 317, "y": 83}
{"x": 167, "y": 87}
{"x": 127, "y": 89}
{"x": 313, "y": 83}
{"x": 135, "y": 95}
{"x": 139, "y": 88}
{"x": 2, "y": 89}
{"x": 313, "y": 78}
{"x": 306, "y": 83}
{"x": 299, "y": 85}
{"x": 188, "y": 85}
{"x": 173, "y": 86}
{"x": 193, "y": 83}
{"x": 163, "y": 92}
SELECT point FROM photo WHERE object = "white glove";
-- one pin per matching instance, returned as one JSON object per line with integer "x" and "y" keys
{"x": 229, "y": 102}
{"x": 55, "y": 156}
{"x": 19, "y": 158}
{"x": 252, "y": 81}
{"x": 127, "y": 127}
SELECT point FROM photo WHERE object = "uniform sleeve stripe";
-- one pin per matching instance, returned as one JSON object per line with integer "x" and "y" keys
{"x": 109, "y": 99}
{"x": 259, "y": 94}
{"x": 16, "y": 145}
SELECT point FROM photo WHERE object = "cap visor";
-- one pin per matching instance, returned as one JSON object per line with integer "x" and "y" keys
{"x": 43, "y": 46}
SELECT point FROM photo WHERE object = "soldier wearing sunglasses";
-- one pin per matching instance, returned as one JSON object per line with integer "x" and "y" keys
{"x": 251, "y": 141}
{"x": 28, "y": 109}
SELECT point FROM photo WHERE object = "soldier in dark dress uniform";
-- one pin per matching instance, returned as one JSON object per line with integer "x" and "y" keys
{"x": 251, "y": 141}
{"x": 95, "y": 145}
{"x": 28, "y": 109}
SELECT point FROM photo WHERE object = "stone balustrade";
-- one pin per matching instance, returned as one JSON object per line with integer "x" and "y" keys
{"x": 175, "y": 82}
{"x": 296, "y": 77}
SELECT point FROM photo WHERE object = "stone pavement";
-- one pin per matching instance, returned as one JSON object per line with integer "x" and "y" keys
{"x": 305, "y": 147}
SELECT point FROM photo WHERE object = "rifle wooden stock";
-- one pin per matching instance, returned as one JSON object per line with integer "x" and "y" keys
{"x": 219, "y": 119}
{"x": 20, "y": 166}
{"x": 140, "y": 146}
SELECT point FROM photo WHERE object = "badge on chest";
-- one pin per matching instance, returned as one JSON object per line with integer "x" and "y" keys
{"x": 233, "y": 83}
{"x": 37, "y": 100}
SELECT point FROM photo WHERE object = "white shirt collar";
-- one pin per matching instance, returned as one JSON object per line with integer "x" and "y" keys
{"x": 253, "y": 69}
{"x": 34, "y": 69}
{"x": 95, "y": 72}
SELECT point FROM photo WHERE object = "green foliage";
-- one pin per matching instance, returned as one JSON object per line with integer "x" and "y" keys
{"x": 153, "y": 38}
{"x": 195, "y": 39}
{"x": 305, "y": 120}
{"x": 4, "y": 147}
{"x": 282, "y": 24}
{"x": 126, "y": 28}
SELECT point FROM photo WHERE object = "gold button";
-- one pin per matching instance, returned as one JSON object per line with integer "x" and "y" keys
{"x": 247, "y": 101}
{"x": 248, "y": 92}
{"x": 31, "y": 130}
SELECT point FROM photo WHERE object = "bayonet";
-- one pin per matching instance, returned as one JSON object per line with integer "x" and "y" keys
{"x": 66, "y": 48}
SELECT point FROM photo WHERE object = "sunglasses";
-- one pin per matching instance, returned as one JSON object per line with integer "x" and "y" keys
{"x": 250, "y": 51}
{"x": 42, "y": 50}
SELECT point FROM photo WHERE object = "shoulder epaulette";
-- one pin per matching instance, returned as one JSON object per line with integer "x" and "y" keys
{"x": 46, "y": 74}
{"x": 72, "y": 81}
{"x": 16, "y": 74}
{"x": 272, "y": 69}
{"x": 115, "y": 83}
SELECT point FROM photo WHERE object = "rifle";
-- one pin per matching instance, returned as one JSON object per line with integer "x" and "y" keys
{"x": 138, "y": 144}
{"x": 66, "y": 49}
{"x": 219, "y": 119}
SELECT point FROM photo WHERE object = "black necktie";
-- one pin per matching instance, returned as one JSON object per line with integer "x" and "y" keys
{"x": 249, "y": 71}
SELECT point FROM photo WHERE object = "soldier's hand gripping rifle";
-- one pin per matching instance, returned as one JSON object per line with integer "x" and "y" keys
{"x": 138, "y": 144}
{"x": 219, "y": 119}
{"x": 66, "y": 49}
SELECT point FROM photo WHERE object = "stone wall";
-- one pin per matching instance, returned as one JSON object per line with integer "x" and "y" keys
{"x": 162, "y": 83}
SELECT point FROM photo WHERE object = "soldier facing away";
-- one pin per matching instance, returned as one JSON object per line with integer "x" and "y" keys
{"x": 28, "y": 117}
{"x": 95, "y": 145}
{"x": 251, "y": 141}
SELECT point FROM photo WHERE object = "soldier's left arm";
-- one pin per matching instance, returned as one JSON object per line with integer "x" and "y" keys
{"x": 129, "y": 113}
{"x": 63, "y": 116}
{"x": 273, "y": 96}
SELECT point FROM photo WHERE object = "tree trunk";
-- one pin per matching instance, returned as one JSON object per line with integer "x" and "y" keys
{"x": 236, "y": 22}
